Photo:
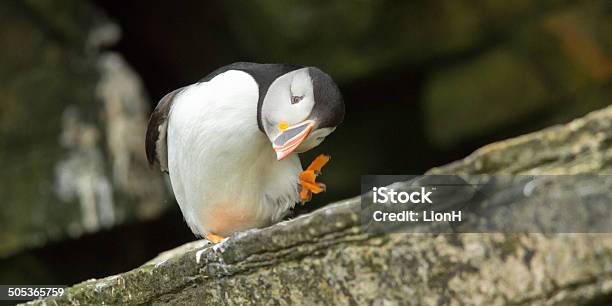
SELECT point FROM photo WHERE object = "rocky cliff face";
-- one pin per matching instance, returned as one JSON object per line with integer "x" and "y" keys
{"x": 328, "y": 256}
{"x": 71, "y": 127}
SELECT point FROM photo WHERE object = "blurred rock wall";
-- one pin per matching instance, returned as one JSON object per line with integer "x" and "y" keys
{"x": 72, "y": 120}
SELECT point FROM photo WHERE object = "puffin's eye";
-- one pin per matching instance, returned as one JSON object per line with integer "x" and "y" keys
{"x": 296, "y": 99}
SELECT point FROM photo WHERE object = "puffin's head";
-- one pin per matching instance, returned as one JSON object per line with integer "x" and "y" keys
{"x": 300, "y": 109}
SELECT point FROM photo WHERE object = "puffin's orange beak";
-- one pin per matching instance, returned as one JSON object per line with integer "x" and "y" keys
{"x": 291, "y": 137}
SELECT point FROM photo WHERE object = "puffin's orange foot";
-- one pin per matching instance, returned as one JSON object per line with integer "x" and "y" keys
{"x": 214, "y": 238}
{"x": 308, "y": 178}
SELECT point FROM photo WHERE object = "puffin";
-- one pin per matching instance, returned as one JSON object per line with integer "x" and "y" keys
{"x": 230, "y": 142}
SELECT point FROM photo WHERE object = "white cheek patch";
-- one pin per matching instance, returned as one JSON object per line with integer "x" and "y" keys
{"x": 301, "y": 84}
{"x": 277, "y": 104}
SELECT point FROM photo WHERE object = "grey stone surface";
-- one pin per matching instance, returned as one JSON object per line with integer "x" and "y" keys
{"x": 581, "y": 146}
{"x": 327, "y": 256}
{"x": 71, "y": 126}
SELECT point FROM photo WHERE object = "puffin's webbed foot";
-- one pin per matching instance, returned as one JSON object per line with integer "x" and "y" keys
{"x": 308, "y": 178}
{"x": 214, "y": 238}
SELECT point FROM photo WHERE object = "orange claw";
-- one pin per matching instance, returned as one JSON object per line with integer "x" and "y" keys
{"x": 308, "y": 178}
{"x": 318, "y": 163}
{"x": 214, "y": 238}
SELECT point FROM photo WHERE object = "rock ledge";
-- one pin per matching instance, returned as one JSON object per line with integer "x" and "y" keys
{"x": 327, "y": 256}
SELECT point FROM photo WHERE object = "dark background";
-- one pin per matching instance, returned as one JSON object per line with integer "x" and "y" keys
{"x": 425, "y": 83}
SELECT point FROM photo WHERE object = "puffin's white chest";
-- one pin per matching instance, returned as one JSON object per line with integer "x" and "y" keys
{"x": 223, "y": 170}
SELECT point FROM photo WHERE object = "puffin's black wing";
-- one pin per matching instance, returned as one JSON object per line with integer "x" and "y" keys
{"x": 155, "y": 142}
